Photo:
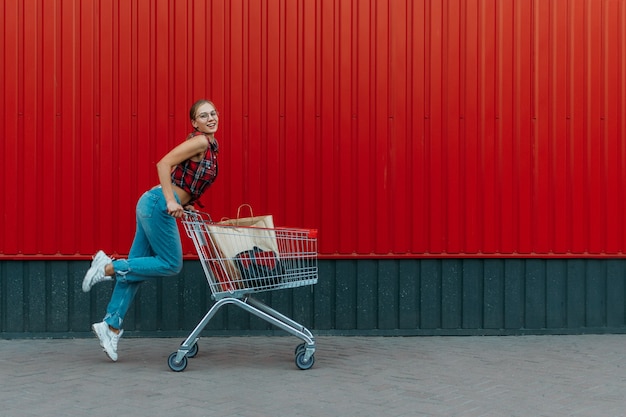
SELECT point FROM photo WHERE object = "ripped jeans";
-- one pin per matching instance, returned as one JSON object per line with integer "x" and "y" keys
{"x": 156, "y": 252}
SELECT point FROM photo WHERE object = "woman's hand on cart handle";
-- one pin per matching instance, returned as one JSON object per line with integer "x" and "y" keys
{"x": 174, "y": 209}
{"x": 195, "y": 215}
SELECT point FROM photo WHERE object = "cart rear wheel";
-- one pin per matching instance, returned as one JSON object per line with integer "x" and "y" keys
{"x": 301, "y": 363}
{"x": 177, "y": 367}
{"x": 193, "y": 351}
{"x": 300, "y": 347}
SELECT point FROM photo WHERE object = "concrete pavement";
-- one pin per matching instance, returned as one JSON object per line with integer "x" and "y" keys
{"x": 352, "y": 376}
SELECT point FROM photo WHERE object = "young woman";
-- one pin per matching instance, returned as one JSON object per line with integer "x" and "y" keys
{"x": 184, "y": 174}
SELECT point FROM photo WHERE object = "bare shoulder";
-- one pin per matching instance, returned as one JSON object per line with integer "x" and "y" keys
{"x": 199, "y": 142}
{"x": 198, "y": 146}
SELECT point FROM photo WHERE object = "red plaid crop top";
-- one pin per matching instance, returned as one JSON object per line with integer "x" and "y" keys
{"x": 195, "y": 177}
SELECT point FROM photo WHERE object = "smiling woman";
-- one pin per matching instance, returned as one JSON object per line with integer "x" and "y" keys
{"x": 190, "y": 178}
{"x": 184, "y": 173}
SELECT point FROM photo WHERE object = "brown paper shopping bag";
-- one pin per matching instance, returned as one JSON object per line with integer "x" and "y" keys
{"x": 234, "y": 236}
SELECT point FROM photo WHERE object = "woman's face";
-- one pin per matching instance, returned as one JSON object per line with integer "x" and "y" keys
{"x": 206, "y": 120}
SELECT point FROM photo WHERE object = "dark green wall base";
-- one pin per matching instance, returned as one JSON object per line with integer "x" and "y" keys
{"x": 396, "y": 297}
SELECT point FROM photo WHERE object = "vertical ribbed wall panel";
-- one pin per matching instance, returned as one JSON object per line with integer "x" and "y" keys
{"x": 353, "y": 296}
{"x": 436, "y": 128}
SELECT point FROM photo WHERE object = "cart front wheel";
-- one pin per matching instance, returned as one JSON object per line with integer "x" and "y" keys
{"x": 177, "y": 367}
{"x": 301, "y": 363}
{"x": 299, "y": 348}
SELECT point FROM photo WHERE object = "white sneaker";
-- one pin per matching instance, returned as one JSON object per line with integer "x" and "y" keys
{"x": 95, "y": 274}
{"x": 108, "y": 338}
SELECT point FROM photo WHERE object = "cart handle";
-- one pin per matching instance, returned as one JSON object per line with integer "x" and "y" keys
{"x": 194, "y": 215}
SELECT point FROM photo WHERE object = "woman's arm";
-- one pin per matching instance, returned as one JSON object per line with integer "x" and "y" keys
{"x": 191, "y": 147}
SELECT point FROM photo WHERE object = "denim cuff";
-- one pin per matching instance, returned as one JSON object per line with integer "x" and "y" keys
{"x": 121, "y": 268}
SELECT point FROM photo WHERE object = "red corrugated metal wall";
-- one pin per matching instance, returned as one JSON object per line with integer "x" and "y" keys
{"x": 445, "y": 128}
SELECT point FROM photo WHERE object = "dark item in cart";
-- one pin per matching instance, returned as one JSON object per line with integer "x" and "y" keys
{"x": 261, "y": 267}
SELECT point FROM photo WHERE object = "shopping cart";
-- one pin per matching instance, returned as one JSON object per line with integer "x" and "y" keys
{"x": 267, "y": 260}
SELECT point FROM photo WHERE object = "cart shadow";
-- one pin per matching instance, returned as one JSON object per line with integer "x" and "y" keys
{"x": 215, "y": 353}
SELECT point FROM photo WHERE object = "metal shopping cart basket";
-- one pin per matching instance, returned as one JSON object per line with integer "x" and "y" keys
{"x": 240, "y": 261}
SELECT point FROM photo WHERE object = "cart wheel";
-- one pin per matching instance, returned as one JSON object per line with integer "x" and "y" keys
{"x": 300, "y": 363}
{"x": 177, "y": 367}
{"x": 193, "y": 351}
{"x": 299, "y": 348}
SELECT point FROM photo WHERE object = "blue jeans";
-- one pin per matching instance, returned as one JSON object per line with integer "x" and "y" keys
{"x": 156, "y": 252}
